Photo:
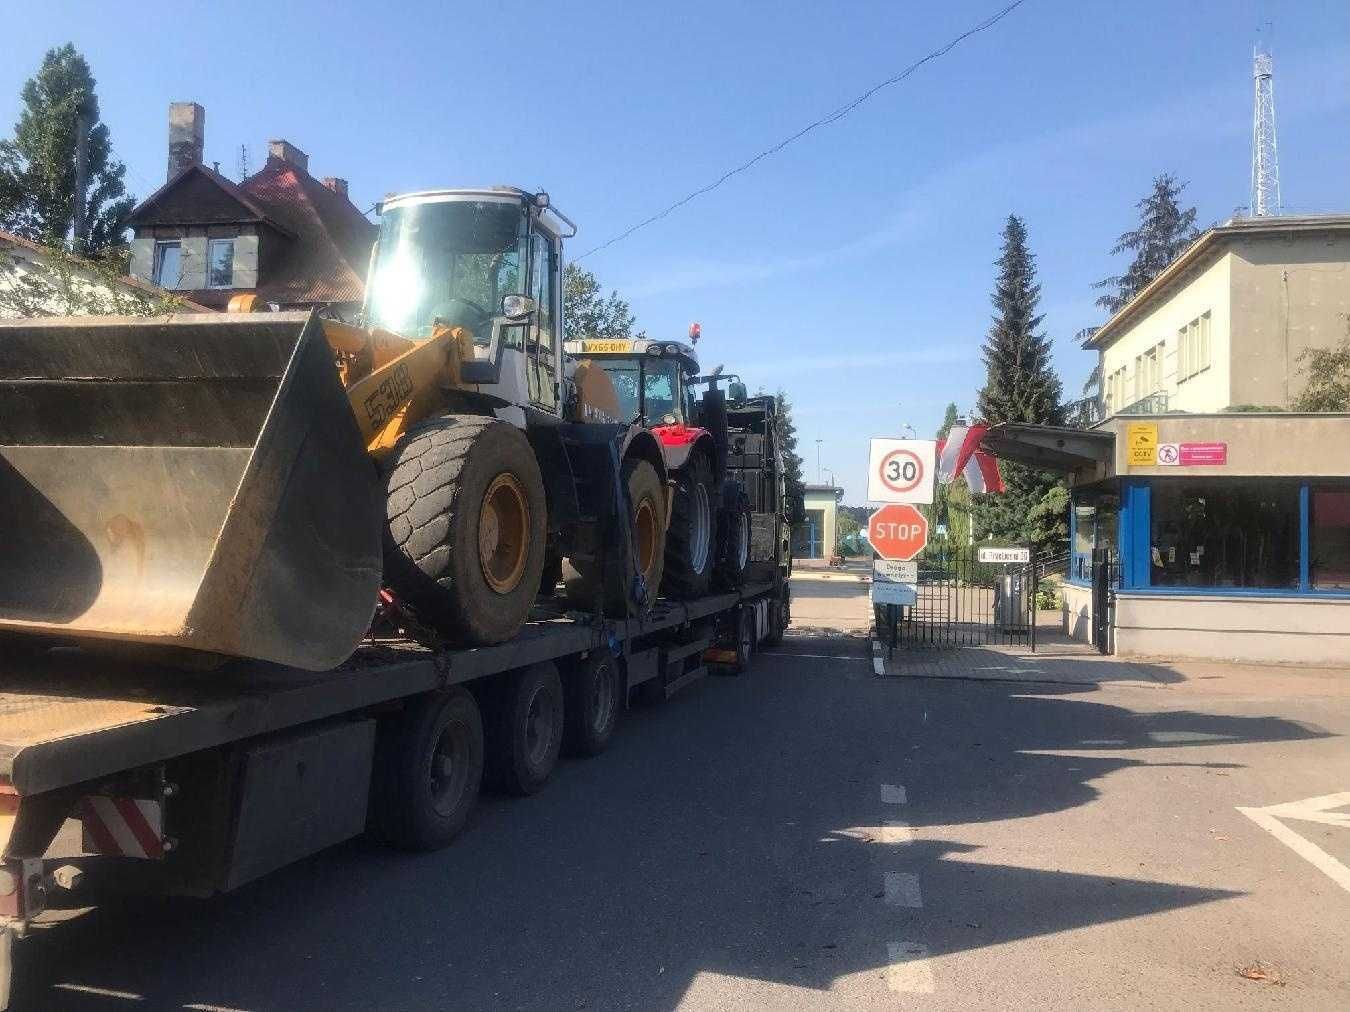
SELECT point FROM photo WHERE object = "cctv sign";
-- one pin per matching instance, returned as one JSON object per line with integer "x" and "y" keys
{"x": 902, "y": 470}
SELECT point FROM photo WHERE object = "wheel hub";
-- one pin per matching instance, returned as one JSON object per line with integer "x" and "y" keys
{"x": 503, "y": 533}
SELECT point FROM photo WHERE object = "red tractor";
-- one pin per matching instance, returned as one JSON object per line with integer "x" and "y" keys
{"x": 709, "y": 532}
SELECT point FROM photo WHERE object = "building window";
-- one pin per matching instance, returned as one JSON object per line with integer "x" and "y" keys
{"x": 1115, "y": 389}
{"x": 1329, "y": 539}
{"x": 1148, "y": 371}
{"x": 1225, "y": 534}
{"x": 1193, "y": 347}
{"x": 220, "y": 263}
{"x": 168, "y": 267}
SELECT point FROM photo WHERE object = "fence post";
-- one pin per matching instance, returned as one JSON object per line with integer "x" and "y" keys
{"x": 1035, "y": 593}
{"x": 893, "y": 619}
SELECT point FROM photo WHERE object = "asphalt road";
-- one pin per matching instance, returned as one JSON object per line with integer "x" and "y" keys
{"x": 809, "y": 836}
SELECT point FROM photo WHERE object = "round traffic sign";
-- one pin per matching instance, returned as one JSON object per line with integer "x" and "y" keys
{"x": 901, "y": 470}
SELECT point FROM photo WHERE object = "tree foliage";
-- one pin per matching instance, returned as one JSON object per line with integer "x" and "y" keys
{"x": 588, "y": 312}
{"x": 37, "y": 167}
{"x": 1164, "y": 231}
{"x": 1021, "y": 386}
{"x": 1328, "y": 372}
{"x": 56, "y": 282}
{"x": 787, "y": 436}
{"x": 1048, "y": 520}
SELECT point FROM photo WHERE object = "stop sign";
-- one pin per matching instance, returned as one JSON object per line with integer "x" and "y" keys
{"x": 898, "y": 532}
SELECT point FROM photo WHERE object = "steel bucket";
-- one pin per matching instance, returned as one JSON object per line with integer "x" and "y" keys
{"x": 194, "y": 482}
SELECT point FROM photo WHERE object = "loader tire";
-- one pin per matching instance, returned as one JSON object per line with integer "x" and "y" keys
{"x": 465, "y": 539}
{"x": 647, "y": 500}
{"x": 428, "y": 771}
{"x": 691, "y": 542}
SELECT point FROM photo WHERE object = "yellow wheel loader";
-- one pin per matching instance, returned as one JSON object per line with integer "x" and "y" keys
{"x": 243, "y": 485}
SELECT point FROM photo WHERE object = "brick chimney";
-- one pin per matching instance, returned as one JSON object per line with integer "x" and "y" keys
{"x": 187, "y": 132}
{"x": 338, "y": 186}
{"x": 287, "y": 152}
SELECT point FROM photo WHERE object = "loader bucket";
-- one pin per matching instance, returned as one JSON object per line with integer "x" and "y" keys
{"x": 192, "y": 482}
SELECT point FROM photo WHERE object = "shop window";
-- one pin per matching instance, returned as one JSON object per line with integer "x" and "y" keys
{"x": 1225, "y": 534}
{"x": 1329, "y": 539}
{"x": 1193, "y": 347}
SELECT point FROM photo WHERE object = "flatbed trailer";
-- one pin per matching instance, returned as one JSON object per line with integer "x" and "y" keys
{"x": 123, "y": 778}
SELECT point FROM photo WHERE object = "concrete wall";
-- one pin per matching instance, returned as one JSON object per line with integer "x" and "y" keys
{"x": 1259, "y": 445}
{"x": 1290, "y": 293}
{"x": 1271, "y": 630}
{"x": 1206, "y": 291}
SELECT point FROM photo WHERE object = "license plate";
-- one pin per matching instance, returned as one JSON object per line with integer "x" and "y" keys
{"x": 606, "y": 347}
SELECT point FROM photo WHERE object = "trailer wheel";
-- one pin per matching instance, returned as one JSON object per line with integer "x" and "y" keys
{"x": 581, "y": 577}
{"x": 525, "y": 729}
{"x": 466, "y": 528}
{"x": 428, "y": 771}
{"x": 745, "y": 639}
{"x": 594, "y": 692}
{"x": 780, "y": 617}
{"x": 733, "y": 552}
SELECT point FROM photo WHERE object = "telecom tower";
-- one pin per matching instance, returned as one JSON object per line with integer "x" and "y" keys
{"x": 1265, "y": 154}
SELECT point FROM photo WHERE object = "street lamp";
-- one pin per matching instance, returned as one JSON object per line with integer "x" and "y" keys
{"x": 912, "y": 433}
{"x": 818, "y": 442}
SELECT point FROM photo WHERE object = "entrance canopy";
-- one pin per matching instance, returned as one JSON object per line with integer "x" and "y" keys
{"x": 1087, "y": 454}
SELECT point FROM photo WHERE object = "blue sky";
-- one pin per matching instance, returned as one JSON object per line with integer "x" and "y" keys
{"x": 853, "y": 269}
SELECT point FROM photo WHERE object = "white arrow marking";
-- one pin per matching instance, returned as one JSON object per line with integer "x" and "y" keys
{"x": 1310, "y": 810}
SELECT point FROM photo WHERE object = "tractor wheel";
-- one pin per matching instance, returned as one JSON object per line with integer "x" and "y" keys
{"x": 733, "y": 549}
{"x": 647, "y": 497}
{"x": 689, "y": 542}
{"x": 464, "y": 545}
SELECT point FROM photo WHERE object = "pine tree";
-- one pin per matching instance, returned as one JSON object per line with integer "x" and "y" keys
{"x": 37, "y": 167}
{"x": 1020, "y": 383}
{"x": 1164, "y": 232}
{"x": 949, "y": 419}
{"x": 1020, "y": 386}
{"x": 787, "y": 435}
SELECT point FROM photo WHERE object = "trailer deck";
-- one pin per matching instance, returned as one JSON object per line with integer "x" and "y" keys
{"x": 65, "y": 720}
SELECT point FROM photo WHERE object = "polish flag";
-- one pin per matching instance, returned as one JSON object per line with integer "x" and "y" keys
{"x": 960, "y": 454}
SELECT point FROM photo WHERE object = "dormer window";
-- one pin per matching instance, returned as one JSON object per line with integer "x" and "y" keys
{"x": 220, "y": 263}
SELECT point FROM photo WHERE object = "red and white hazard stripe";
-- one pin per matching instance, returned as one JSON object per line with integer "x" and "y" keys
{"x": 960, "y": 455}
{"x": 125, "y": 827}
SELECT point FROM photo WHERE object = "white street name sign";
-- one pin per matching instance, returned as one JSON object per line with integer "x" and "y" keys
{"x": 1005, "y": 555}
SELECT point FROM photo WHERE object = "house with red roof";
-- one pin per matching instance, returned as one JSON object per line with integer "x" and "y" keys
{"x": 294, "y": 241}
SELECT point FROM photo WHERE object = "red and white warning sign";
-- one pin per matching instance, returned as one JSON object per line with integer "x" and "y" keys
{"x": 902, "y": 470}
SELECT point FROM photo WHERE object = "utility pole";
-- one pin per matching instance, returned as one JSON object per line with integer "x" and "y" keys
{"x": 1265, "y": 153}
{"x": 83, "y": 125}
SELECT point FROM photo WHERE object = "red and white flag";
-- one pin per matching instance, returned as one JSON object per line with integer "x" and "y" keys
{"x": 960, "y": 454}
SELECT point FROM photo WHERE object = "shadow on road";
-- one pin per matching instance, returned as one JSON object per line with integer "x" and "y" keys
{"x": 720, "y": 834}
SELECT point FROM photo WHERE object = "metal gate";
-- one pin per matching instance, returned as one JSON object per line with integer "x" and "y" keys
{"x": 962, "y": 601}
{"x": 1105, "y": 579}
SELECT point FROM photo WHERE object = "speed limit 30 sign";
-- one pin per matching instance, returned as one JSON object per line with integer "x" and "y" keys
{"x": 902, "y": 470}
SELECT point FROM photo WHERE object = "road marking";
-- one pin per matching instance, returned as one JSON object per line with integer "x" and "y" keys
{"x": 103, "y": 992}
{"x": 1310, "y": 810}
{"x": 893, "y": 794}
{"x": 816, "y": 657}
{"x": 902, "y": 889}
{"x": 908, "y": 972}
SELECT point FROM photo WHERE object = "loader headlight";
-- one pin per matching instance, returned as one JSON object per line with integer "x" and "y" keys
{"x": 517, "y": 307}
{"x": 672, "y": 349}
{"x": 653, "y": 349}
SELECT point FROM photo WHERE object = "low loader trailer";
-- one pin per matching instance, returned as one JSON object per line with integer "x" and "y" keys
{"x": 120, "y": 779}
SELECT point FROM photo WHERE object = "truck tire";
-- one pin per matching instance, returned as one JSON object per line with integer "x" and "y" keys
{"x": 780, "y": 617}
{"x": 745, "y": 639}
{"x": 733, "y": 550}
{"x": 525, "y": 729}
{"x": 690, "y": 544}
{"x": 647, "y": 498}
{"x": 593, "y": 688}
{"x": 464, "y": 544}
{"x": 428, "y": 771}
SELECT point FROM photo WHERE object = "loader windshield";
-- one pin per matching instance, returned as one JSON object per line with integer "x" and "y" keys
{"x": 446, "y": 261}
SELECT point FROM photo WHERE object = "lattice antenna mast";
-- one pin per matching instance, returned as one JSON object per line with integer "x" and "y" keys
{"x": 1265, "y": 153}
{"x": 243, "y": 162}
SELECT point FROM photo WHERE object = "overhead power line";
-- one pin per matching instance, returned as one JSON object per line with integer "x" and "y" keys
{"x": 825, "y": 120}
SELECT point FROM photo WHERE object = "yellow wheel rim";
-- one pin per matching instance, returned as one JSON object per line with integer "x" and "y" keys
{"x": 504, "y": 533}
{"x": 644, "y": 537}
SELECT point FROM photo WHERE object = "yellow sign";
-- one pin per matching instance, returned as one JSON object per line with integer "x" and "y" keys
{"x": 606, "y": 347}
{"x": 1141, "y": 443}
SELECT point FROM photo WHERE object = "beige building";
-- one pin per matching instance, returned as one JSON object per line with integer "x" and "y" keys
{"x": 1224, "y": 324}
{"x": 815, "y": 538}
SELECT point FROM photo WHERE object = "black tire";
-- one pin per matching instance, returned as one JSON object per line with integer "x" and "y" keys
{"x": 647, "y": 499}
{"x": 428, "y": 771}
{"x": 690, "y": 542}
{"x": 780, "y": 617}
{"x": 593, "y": 688}
{"x": 525, "y": 729}
{"x": 436, "y": 480}
{"x": 745, "y": 639}
{"x": 733, "y": 544}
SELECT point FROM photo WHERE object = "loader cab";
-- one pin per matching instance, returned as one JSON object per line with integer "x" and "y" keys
{"x": 458, "y": 258}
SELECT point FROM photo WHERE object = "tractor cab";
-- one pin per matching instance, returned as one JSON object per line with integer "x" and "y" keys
{"x": 652, "y": 379}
